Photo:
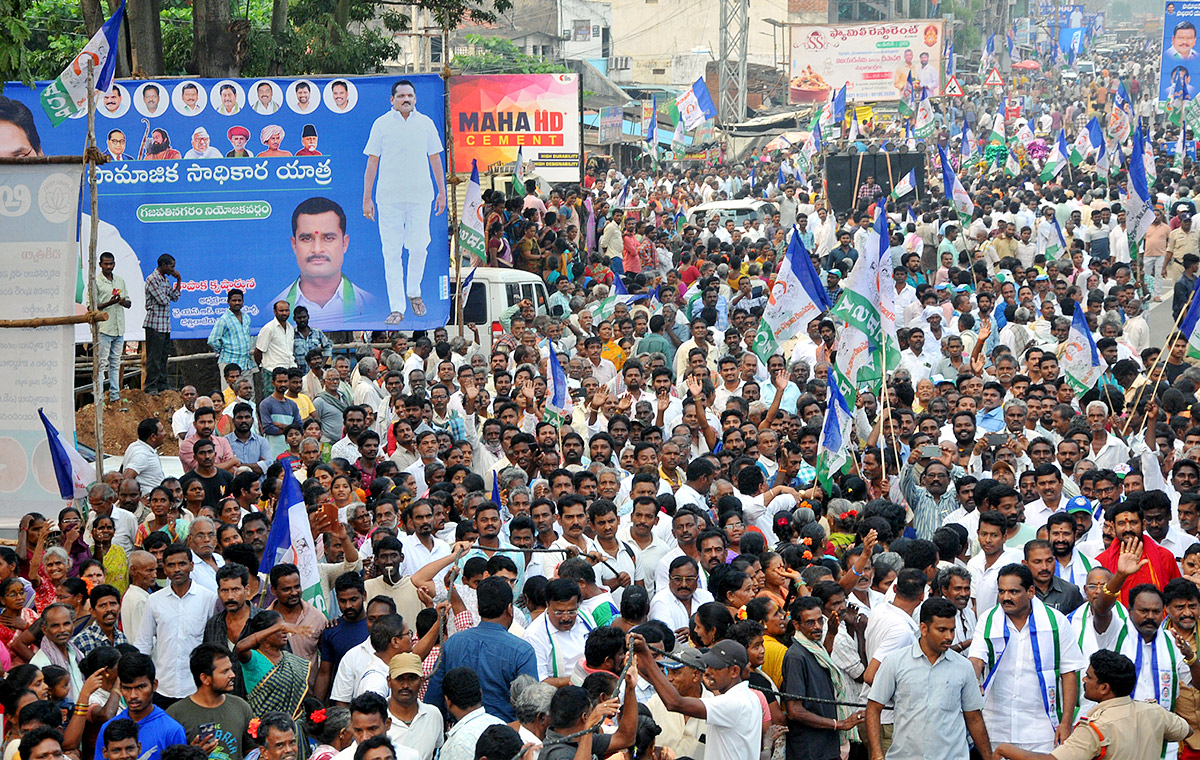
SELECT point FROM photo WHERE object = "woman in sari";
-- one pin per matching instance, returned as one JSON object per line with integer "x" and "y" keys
{"x": 110, "y": 556}
{"x": 276, "y": 679}
{"x": 161, "y": 518}
{"x": 14, "y": 615}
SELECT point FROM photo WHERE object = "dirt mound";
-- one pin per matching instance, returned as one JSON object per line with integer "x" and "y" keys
{"x": 121, "y": 420}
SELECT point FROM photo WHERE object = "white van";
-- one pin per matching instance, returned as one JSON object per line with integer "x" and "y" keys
{"x": 493, "y": 290}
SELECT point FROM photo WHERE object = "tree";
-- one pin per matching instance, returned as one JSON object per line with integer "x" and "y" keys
{"x": 223, "y": 38}
{"x": 497, "y": 55}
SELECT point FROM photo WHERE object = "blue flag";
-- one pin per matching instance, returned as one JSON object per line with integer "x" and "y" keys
{"x": 839, "y": 105}
{"x": 71, "y": 471}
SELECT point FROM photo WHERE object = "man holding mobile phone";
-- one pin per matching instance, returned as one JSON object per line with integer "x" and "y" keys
{"x": 215, "y": 720}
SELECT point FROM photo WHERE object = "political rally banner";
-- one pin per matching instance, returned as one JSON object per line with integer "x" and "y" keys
{"x": 874, "y": 60}
{"x": 257, "y": 184}
{"x": 492, "y": 116}
{"x": 39, "y": 269}
{"x": 1180, "y": 58}
{"x": 611, "y": 120}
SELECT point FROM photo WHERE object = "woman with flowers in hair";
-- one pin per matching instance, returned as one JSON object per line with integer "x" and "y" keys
{"x": 329, "y": 727}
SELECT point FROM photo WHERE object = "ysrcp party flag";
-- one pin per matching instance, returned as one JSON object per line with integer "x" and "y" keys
{"x": 1012, "y": 167}
{"x": 966, "y": 145}
{"x": 997, "y": 135}
{"x": 696, "y": 105}
{"x": 1088, "y": 140}
{"x": 1190, "y": 326}
{"x": 1139, "y": 209}
{"x": 834, "y": 446}
{"x": 470, "y": 232}
{"x": 1081, "y": 361}
{"x": 954, "y": 190}
{"x": 905, "y": 185}
{"x": 518, "y": 183}
{"x": 1120, "y": 115}
{"x": 1025, "y": 134}
{"x": 925, "y": 121}
{"x": 1058, "y": 244}
{"x": 1057, "y": 158}
{"x": 67, "y": 95}
{"x": 834, "y": 111}
{"x": 557, "y": 396}
{"x": 71, "y": 471}
{"x": 290, "y": 540}
{"x": 796, "y": 298}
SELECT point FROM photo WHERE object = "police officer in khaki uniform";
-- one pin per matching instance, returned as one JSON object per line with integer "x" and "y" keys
{"x": 1118, "y": 728}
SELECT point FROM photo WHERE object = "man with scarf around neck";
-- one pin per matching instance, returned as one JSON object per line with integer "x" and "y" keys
{"x": 1157, "y": 565}
{"x": 1026, "y": 658}
{"x": 1119, "y": 728}
{"x": 1162, "y": 658}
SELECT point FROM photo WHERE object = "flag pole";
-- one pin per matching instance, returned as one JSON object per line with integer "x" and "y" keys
{"x": 452, "y": 181}
{"x": 1160, "y": 359}
{"x": 90, "y": 155}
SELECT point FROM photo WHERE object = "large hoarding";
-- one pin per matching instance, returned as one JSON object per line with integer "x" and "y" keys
{"x": 491, "y": 117}
{"x": 39, "y": 224}
{"x": 258, "y": 184}
{"x": 873, "y": 60}
{"x": 1180, "y": 58}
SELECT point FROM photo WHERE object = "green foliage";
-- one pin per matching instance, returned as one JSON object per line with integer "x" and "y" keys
{"x": 496, "y": 55}
{"x": 14, "y": 43}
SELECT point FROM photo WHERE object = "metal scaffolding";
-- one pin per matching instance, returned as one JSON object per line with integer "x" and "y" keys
{"x": 731, "y": 71}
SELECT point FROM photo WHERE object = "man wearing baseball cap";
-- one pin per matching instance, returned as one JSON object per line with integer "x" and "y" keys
{"x": 684, "y": 734}
{"x": 734, "y": 714}
{"x": 413, "y": 723}
{"x": 238, "y": 137}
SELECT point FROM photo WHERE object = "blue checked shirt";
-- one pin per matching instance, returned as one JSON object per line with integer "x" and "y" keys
{"x": 159, "y": 295}
{"x": 453, "y": 424}
{"x": 302, "y": 345}
{"x": 230, "y": 338}
{"x": 92, "y": 637}
{"x": 928, "y": 511}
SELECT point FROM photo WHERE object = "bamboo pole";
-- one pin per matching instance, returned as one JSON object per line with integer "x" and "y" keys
{"x": 92, "y": 317}
{"x": 1160, "y": 359}
{"x": 90, "y": 156}
{"x": 452, "y": 181}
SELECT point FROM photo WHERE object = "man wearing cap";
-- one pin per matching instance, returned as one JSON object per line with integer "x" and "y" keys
{"x": 238, "y": 137}
{"x": 734, "y": 714}
{"x": 832, "y": 287}
{"x": 200, "y": 146}
{"x": 682, "y": 733}
{"x": 413, "y": 723}
{"x": 308, "y": 138}
{"x": 272, "y": 136}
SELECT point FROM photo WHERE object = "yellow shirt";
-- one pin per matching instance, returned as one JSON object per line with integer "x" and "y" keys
{"x": 305, "y": 405}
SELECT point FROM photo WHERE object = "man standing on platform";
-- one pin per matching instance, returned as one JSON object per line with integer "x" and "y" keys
{"x": 159, "y": 296}
{"x": 113, "y": 299}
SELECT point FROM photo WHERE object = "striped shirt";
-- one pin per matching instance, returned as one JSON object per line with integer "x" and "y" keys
{"x": 230, "y": 338}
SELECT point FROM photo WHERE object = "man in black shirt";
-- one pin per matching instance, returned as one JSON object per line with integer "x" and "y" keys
{"x": 812, "y": 726}
{"x": 216, "y": 482}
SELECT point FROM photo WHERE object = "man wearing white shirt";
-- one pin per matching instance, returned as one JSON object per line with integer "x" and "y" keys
{"x": 685, "y": 527}
{"x": 1106, "y": 451}
{"x": 174, "y": 624}
{"x": 1049, "y": 482}
{"x": 422, "y": 547}
{"x": 1070, "y": 564}
{"x": 915, "y": 359}
{"x": 558, "y": 636}
{"x": 358, "y": 658}
{"x": 1029, "y": 689}
{"x": 892, "y": 627}
{"x": 985, "y": 566}
{"x": 639, "y": 533}
{"x": 679, "y": 597}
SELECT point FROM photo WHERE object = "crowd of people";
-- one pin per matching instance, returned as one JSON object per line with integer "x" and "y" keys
{"x": 649, "y": 567}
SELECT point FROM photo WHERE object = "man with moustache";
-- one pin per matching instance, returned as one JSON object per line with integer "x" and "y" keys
{"x": 320, "y": 242}
{"x": 151, "y": 98}
{"x": 1156, "y": 565}
{"x": 1069, "y": 564}
{"x": 1182, "y": 600}
{"x": 1162, "y": 658}
{"x": 304, "y": 102}
{"x": 413, "y": 723}
{"x": 160, "y": 144}
{"x": 226, "y": 628}
{"x": 229, "y": 105}
{"x": 1118, "y": 727}
{"x": 341, "y": 95}
{"x": 238, "y": 136}
{"x": 308, "y": 138}
{"x": 215, "y": 704}
{"x": 1054, "y": 591}
{"x": 112, "y": 101}
{"x": 1029, "y": 689}
{"x": 954, "y": 583}
{"x": 932, "y": 725}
